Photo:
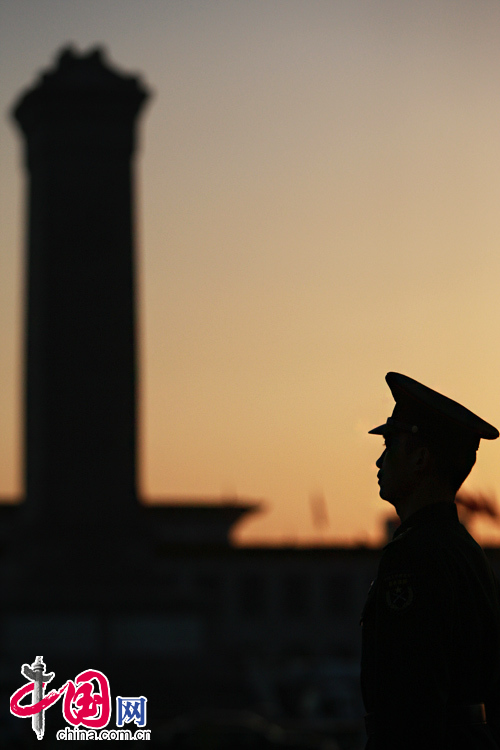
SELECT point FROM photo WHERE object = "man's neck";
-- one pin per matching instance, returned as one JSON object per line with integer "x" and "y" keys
{"x": 424, "y": 495}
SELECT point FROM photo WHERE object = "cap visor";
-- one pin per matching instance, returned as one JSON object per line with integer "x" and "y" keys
{"x": 380, "y": 430}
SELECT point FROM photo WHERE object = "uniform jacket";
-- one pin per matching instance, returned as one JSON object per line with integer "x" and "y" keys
{"x": 431, "y": 638}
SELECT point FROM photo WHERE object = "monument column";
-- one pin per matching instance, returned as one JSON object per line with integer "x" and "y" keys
{"x": 80, "y": 395}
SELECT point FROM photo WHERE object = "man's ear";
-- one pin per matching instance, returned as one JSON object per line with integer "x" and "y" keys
{"x": 421, "y": 458}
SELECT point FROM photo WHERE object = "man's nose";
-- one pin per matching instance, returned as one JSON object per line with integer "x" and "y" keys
{"x": 379, "y": 461}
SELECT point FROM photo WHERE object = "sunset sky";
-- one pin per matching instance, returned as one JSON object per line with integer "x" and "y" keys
{"x": 318, "y": 202}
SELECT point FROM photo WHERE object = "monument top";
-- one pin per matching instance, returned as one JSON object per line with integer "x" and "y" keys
{"x": 80, "y": 82}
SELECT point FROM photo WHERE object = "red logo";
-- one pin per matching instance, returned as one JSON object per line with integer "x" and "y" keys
{"x": 87, "y": 701}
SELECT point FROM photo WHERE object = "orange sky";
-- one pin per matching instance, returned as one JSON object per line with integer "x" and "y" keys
{"x": 318, "y": 187}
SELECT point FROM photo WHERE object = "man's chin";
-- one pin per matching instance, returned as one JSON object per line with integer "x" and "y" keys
{"x": 387, "y": 497}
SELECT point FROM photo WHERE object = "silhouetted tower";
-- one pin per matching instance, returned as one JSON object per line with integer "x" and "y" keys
{"x": 80, "y": 407}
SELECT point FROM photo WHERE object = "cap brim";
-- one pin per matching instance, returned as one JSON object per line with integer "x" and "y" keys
{"x": 381, "y": 430}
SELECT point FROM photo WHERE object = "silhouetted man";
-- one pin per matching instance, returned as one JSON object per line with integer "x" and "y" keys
{"x": 430, "y": 669}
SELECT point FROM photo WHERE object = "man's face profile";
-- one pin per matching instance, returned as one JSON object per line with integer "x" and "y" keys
{"x": 396, "y": 475}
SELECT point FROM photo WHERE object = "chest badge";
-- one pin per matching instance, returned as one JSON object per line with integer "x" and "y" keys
{"x": 398, "y": 592}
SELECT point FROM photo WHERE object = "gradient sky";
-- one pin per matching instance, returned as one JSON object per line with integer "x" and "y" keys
{"x": 318, "y": 195}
